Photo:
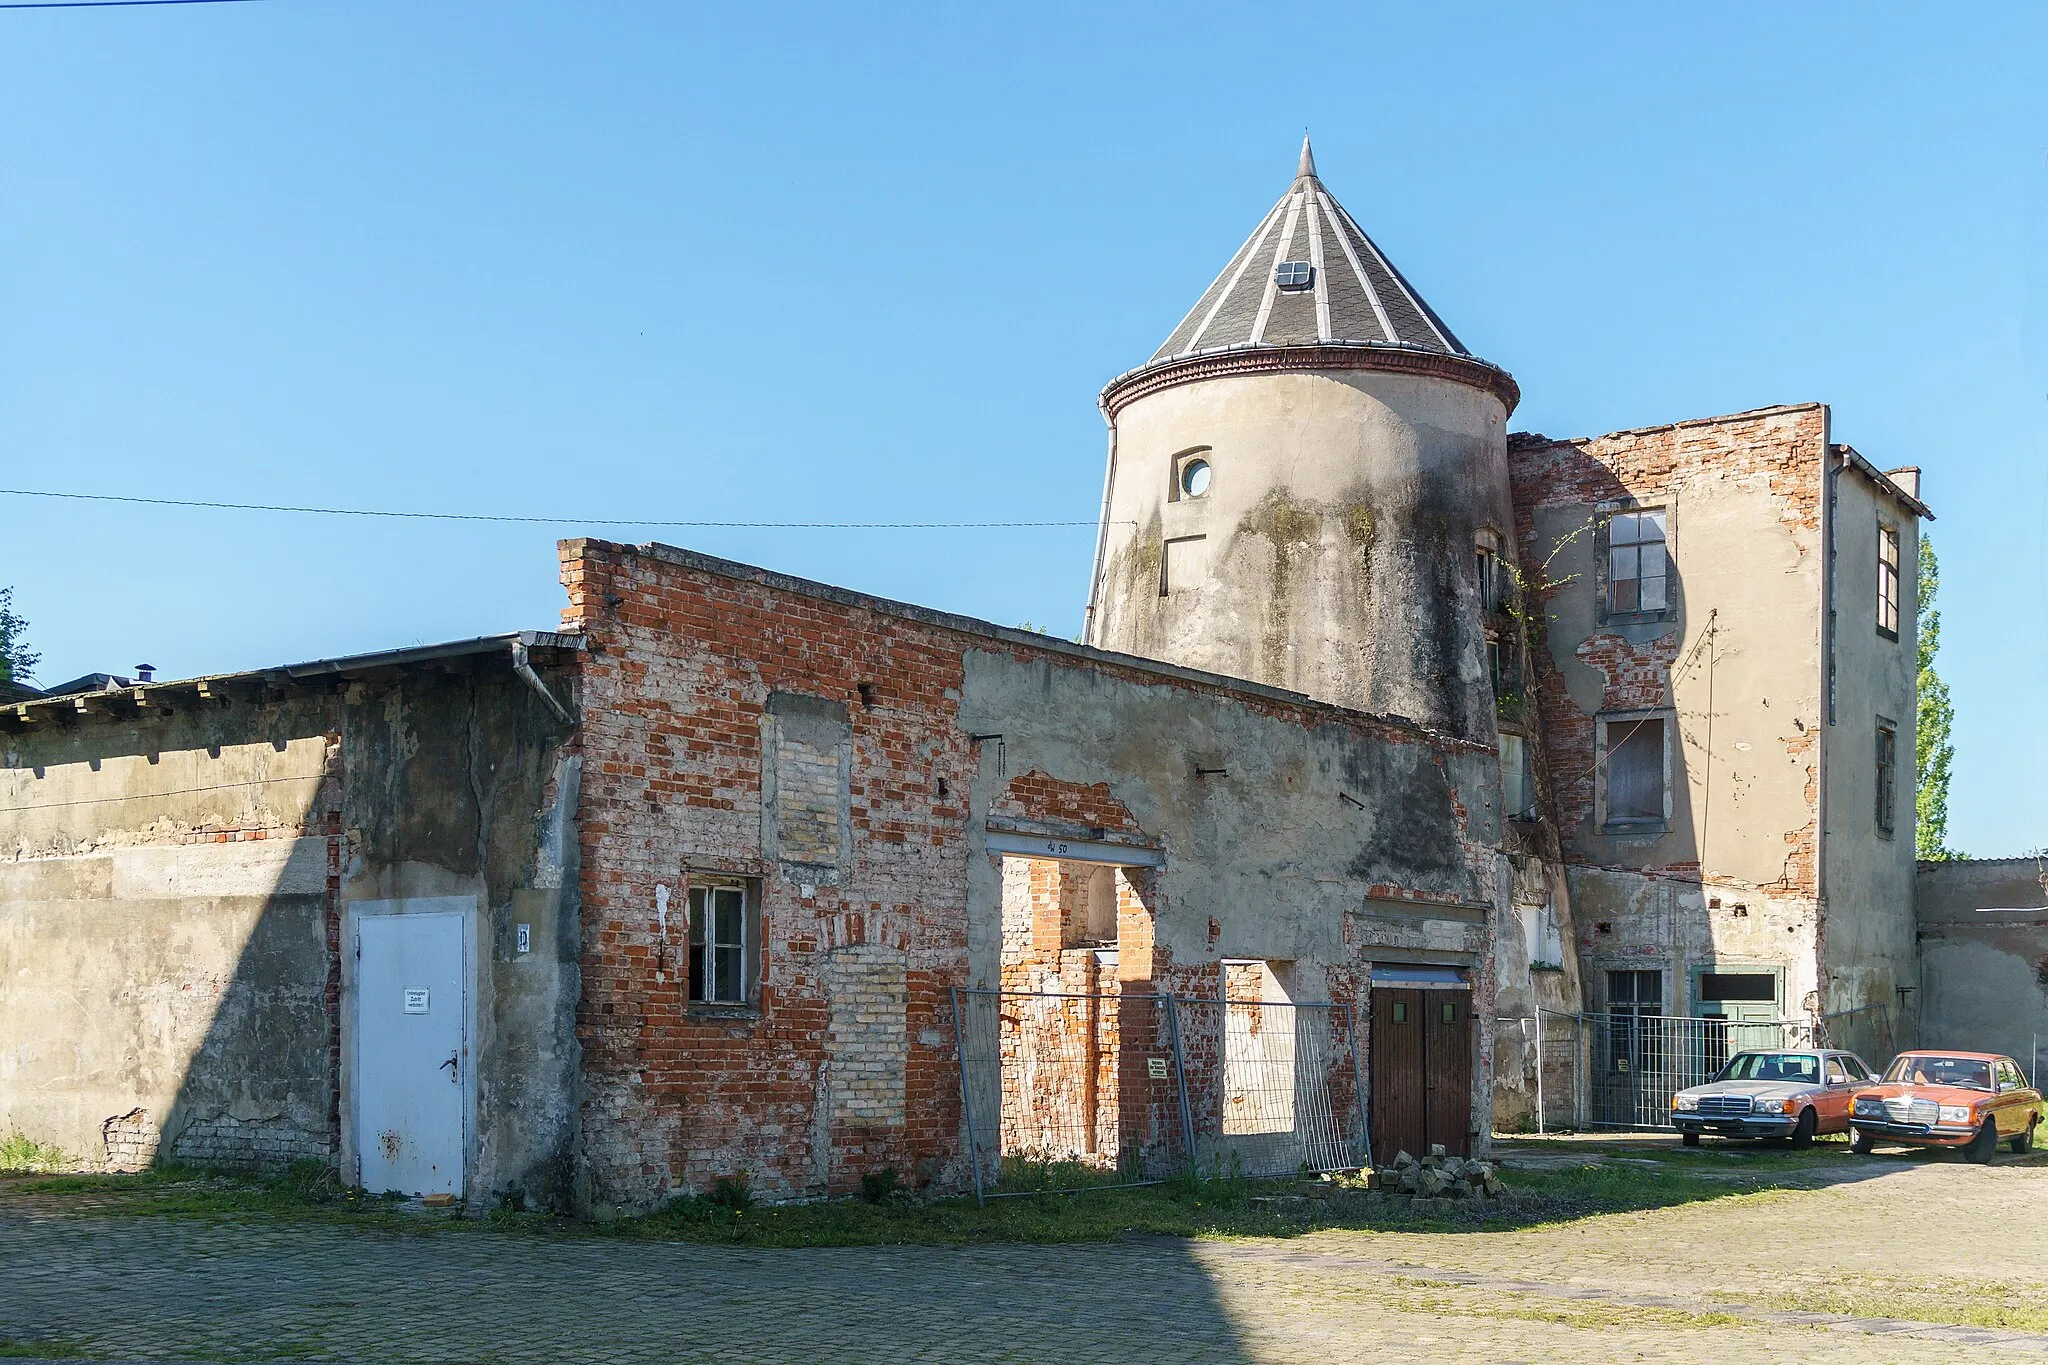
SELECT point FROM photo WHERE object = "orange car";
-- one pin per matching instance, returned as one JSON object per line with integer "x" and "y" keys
{"x": 1971, "y": 1100}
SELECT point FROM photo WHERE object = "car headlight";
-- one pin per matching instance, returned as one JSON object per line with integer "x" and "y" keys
{"x": 1773, "y": 1106}
{"x": 1685, "y": 1101}
{"x": 1870, "y": 1107}
{"x": 1955, "y": 1113}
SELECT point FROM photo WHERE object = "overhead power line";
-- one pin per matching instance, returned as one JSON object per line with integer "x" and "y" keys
{"x": 548, "y": 521}
{"x": 109, "y": 4}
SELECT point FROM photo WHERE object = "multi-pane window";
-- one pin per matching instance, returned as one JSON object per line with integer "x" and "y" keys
{"x": 1635, "y": 771}
{"x": 1638, "y": 570}
{"x": 718, "y": 943}
{"x": 1887, "y": 775}
{"x": 1888, "y": 580}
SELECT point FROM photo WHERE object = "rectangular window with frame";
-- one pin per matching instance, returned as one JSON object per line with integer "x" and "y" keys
{"x": 1887, "y": 775}
{"x": 1492, "y": 580}
{"x": 1517, "y": 778}
{"x": 1635, "y": 772}
{"x": 722, "y": 932}
{"x": 1638, "y": 568}
{"x": 1888, "y": 581}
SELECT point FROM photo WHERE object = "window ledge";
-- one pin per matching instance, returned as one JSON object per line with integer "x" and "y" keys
{"x": 1891, "y": 635}
{"x": 723, "y": 1014}
{"x": 1627, "y": 829}
{"x": 1638, "y": 618}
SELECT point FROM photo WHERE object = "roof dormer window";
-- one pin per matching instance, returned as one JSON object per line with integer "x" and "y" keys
{"x": 1294, "y": 276}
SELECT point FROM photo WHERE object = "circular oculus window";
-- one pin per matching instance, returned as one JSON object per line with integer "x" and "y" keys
{"x": 1194, "y": 478}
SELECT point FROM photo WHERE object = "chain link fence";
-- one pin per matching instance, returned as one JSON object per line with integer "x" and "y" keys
{"x": 1097, "y": 1091}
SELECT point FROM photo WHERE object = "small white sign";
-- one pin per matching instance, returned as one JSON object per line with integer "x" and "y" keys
{"x": 416, "y": 998}
{"x": 1155, "y": 1068}
{"x": 526, "y": 938}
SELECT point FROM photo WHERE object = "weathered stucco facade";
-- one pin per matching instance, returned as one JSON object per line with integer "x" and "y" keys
{"x": 1384, "y": 713}
{"x": 1984, "y": 957}
{"x": 1752, "y": 692}
{"x": 182, "y": 864}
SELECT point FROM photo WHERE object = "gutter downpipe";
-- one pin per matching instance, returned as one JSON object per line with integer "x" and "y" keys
{"x": 1829, "y": 474}
{"x": 523, "y": 666}
{"x": 1101, "y": 534}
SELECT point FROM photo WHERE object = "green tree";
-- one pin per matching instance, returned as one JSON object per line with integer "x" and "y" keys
{"x": 1934, "y": 718}
{"x": 17, "y": 661}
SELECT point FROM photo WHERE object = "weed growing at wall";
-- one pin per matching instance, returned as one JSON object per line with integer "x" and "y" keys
{"x": 21, "y": 1155}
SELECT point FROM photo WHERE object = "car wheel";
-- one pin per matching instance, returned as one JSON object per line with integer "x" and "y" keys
{"x": 1689, "y": 1139}
{"x": 1983, "y": 1145}
{"x": 1802, "y": 1131}
{"x": 1862, "y": 1143}
{"x": 2023, "y": 1142}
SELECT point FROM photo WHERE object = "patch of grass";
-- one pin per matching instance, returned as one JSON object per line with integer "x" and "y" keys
{"x": 22, "y": 1348}
{"x": 23, "y": 1155}
{"x": 1950, "y": 1303}
{"x": 1185, "y": 1206}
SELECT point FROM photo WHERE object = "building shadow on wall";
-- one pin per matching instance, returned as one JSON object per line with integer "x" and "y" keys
{"x": 190, "y": 960}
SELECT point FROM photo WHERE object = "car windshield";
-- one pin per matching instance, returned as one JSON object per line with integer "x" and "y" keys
{"x": 1772, "y": 1066}
{"x": 1967, "y": 1073}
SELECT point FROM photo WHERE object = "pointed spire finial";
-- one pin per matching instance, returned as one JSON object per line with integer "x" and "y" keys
{"x": 1308, "y": 158}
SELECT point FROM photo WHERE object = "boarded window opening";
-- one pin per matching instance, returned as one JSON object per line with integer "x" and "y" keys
{"x": 1635, "y": 772}
{"x": 1185, "y": 565}
{"x": 1887, "y": 775}
{"x": 1723, "y": 987}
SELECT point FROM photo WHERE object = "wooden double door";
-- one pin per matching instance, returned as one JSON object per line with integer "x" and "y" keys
{"x": 1421, "y": 1072}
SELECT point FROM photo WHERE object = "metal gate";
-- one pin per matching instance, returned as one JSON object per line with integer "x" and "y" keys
{"x": 1619, "y": 1070}
{"x": 1076, "y": 1091}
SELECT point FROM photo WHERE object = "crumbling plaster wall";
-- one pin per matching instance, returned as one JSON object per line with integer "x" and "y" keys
{"x": 173, "y": 889}
{"x": 1983, "y": 929}
{"x": 1339, "y": 531}
{"x": 1869, "y": 949}
{"x": 1734, "y": 664}
{"x": 1328, "y": 838}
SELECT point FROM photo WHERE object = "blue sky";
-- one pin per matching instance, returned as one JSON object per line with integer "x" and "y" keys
{"x": 852, "y": 263}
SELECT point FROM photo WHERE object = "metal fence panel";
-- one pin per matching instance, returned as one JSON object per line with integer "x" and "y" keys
{"x": 1068, "y": 1091}
{"x": 1073, "y": 1091}
{"x": 1636, "y": 1062}
{"x": 1273, "y": 1087}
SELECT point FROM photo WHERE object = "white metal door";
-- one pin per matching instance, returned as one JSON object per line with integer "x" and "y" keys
{"x": 411, "y": 1054}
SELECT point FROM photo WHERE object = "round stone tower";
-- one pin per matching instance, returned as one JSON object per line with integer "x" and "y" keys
{"x": 1308, "y": 483}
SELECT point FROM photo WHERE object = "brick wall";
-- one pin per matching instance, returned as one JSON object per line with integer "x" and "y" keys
{"x": 842, "y": 1062}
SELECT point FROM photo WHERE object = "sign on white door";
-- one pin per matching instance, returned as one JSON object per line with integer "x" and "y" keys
{"x": 412, "y": 1061}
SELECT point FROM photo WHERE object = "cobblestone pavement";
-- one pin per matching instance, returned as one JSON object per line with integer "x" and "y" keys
{"x": 1766, "y": 1276}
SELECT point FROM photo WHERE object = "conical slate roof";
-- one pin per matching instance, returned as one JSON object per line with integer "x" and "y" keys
{"x": 1348, "y": 293}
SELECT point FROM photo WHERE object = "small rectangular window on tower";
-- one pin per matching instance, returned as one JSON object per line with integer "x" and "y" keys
{"x": 1888, "y": 581}
{"x": 1887, "y": 775}
{"x": 1184, "y": 566}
